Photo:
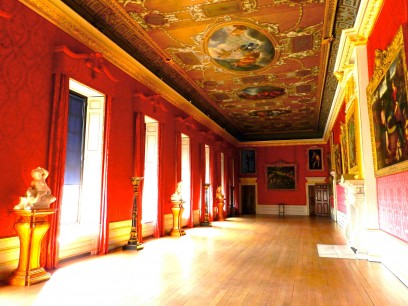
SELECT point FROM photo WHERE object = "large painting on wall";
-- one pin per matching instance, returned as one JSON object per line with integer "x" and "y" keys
{"x": 387, "y": 98}
{"x": 281, "y": 176}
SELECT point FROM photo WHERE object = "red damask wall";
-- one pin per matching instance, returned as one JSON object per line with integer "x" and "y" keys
{"x": 392, "y": 193}
{"x": 341, "y": 199}
{"x": 288, "y": 154}
{"x": 392, "y": 190}
{"x": 28, "y": 60}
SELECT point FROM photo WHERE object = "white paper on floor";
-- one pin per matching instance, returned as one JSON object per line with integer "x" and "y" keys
{"x": 335, "y": 251}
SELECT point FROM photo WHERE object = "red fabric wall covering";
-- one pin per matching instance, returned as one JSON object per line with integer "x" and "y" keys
{"x": 393, "y": 14}
{"x": 28, "y": 60}
{"x": 392, "y": 191}
{"x": 341, "y": 199}
{"x": 288, "y": 154}
{"x": 392, "y": 194}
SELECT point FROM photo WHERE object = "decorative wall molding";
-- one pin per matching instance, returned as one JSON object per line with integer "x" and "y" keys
{"x": 9, "y": 254}
{"x": 247, "y": 180}
{"x": 94, "y": 61}
{"x": 316, "y": 179}
{"x": 290, "y": 210}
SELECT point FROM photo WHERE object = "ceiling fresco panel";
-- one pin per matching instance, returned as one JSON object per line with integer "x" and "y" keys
{"x": 260, "y": 69}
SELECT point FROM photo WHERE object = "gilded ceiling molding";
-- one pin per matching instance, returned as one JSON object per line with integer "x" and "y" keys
{"x": 358, "y": 35}
{"x": 69, "y": 21}
{"x": 278, "y": 143}
{"x": 350, "y": 38}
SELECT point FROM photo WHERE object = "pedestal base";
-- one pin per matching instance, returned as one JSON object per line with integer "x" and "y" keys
{"x": 31, "y": 277}
{"x": 133, "y": 247}
{"x": 177, "y": 232}
{"x": 133, "y": 243}
{"x": 205, "y": 223}
{"x": 220, "y": 205}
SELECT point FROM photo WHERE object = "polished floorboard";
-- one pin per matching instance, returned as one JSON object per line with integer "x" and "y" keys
{"x": 262, "y": 260}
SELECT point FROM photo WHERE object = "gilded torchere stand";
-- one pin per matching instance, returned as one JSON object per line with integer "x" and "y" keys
{"x": 206, "y": 222}
{"x": 31, "y": 227}
{"x": 133, "y": 243}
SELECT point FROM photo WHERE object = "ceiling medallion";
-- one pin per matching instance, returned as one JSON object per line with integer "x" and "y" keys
{"x": 269, "y": 113}
{"x": 260, "y": 92}
{"x": 240, "y": 47}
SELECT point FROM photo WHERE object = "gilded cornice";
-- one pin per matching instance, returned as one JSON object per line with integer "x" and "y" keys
{"x": 336, "y": 106}
{"x": 277, "y": 143}
{"x": 70, "y": 22}
{"x": 358, "y": 35}
{"x": 350, "y": 38}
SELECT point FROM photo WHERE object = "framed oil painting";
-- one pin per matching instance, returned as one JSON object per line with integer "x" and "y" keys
{"x": 387, "y": 101}
{"x": 337, "y": 160}
{"x": 343, "y": 148}
{"x": 248, "y": 161}
{"x": 314, "y": 159}
{"x": 281, "y": 176}
{"x": 351, "y": 139}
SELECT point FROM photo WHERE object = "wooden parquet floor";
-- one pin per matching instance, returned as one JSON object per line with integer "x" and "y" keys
{"x": 263, "y": 260}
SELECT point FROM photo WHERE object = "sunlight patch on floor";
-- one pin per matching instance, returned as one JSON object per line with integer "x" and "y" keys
{"x": 335, "y": 251}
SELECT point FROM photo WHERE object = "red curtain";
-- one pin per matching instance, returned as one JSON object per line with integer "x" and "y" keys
{"x": 139, "y": 165}
{"x": 202, "y": 180}
{"x": 159, "y": 230}
{"x": 191, "y": 219}
{"x": 103, "y": 245}
{"x": 56, "y": 164}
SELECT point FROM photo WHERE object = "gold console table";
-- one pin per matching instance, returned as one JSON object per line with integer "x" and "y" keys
{"x": 31, "y": 227}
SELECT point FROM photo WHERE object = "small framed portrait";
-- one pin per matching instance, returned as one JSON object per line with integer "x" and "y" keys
{"x": 248, "y": 161}
{"x": 315, "y": 159}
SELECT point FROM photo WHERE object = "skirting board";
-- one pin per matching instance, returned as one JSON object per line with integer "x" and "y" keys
{"x": 9, "y": 254}
{"x": 290, "y": 210}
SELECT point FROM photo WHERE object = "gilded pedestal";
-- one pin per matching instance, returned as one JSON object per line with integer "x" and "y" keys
{"x": 220, "y": 205}
{"x": 31, "y": 228}
{"x": 177, "y": 211}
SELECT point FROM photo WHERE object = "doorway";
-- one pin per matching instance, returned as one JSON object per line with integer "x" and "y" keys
{"x": 312, "y": 202}
{"x": 248, "y": 199}
{"x": 322, "y": 200}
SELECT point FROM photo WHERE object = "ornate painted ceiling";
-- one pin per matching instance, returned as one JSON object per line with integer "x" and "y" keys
{"x": 261, "y": 69}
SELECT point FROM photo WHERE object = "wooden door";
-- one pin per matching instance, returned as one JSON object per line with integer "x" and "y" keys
{"x": 248, "y": 199}
{"x": 312, "y": 202}
{"x": 322, "y": 200}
